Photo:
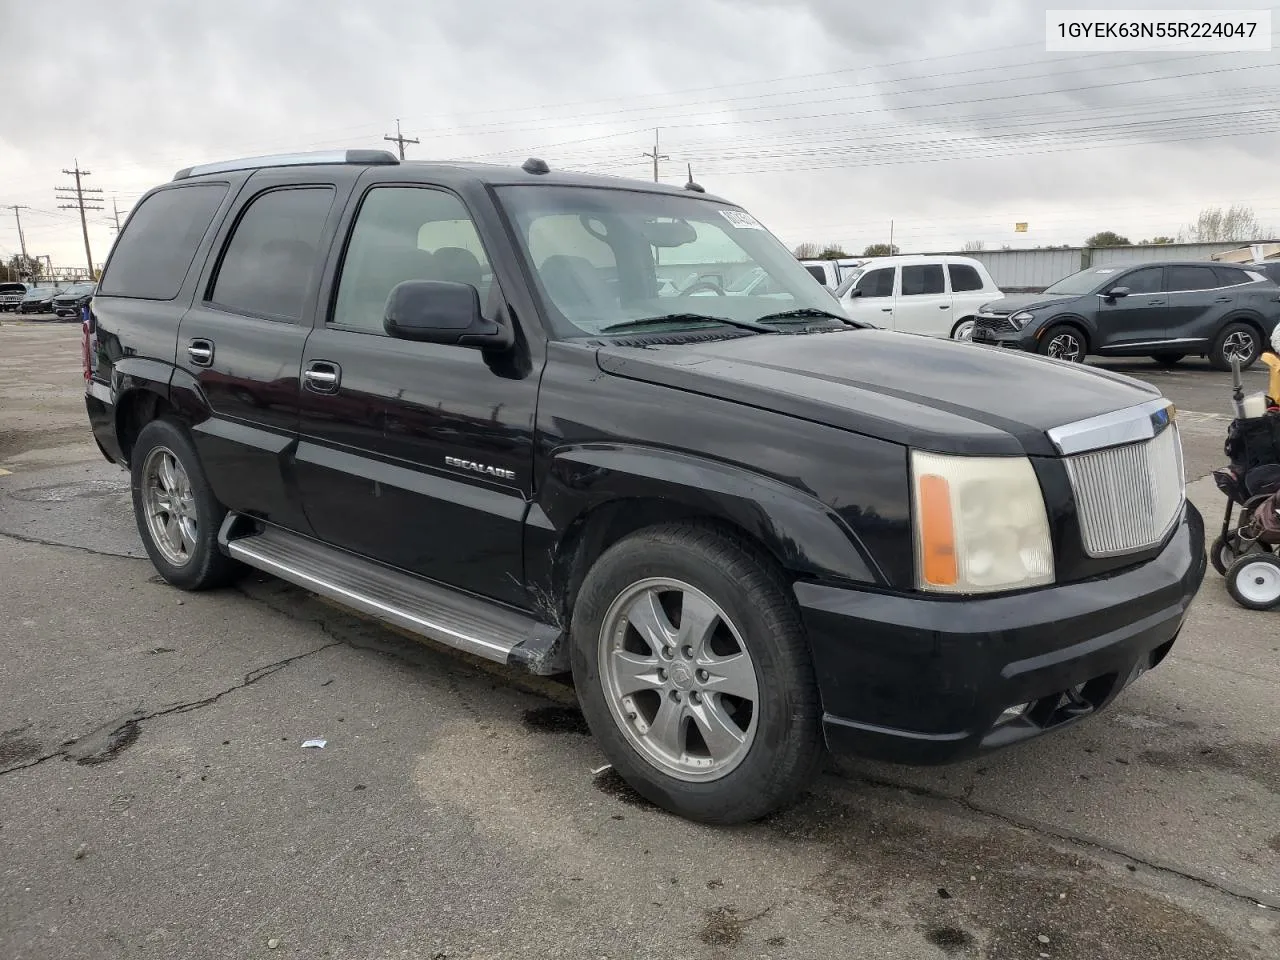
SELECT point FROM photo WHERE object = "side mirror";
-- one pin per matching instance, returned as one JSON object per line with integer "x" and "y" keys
{"x": 1117, "y": 292}
{"x": 438, "y": 311}
{"x": 855, "y": 292}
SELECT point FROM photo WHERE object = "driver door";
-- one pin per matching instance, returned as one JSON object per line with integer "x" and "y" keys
{"x": 1140, "y": 318}
{"x": 873, "y": 301}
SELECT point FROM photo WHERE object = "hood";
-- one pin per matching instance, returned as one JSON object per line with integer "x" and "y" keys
{"x": 1023, "y": 301}
{"x": 933, "y": 394}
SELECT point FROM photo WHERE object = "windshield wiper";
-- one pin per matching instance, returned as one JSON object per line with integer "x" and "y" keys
{"x": 685, "y": 318}
{"x": 801, "y": 313}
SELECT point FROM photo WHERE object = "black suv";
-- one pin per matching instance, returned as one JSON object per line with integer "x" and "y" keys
{"x": 1160, "y": 310}
{"x": 460, "y": 398}
{"x": 72, "y": 301}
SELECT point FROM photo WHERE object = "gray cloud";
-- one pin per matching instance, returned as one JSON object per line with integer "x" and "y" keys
{"x": 817, "y": 154}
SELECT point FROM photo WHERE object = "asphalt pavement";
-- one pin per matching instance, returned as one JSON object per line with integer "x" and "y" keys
{"x": 156, "y": 799}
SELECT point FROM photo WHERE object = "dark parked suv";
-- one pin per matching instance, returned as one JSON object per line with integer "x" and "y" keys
{"x": 459, "y": 399}
{"x": 1161, "y": 310}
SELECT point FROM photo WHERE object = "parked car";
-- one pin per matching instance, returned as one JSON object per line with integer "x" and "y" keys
{"x": 1268, "y": 268}
{"x": 12, "y": 295}
{"x": 1165, "y": 311}
{"x": 39, "y": 299}
{"x": 71, "y": 301}
{"x": 747, "y": 527}
{"x": 831, "y": 273}
{"x": 938, "y": 296}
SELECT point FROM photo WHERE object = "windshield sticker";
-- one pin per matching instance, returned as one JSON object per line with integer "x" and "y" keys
{"x": 741, "y": 219}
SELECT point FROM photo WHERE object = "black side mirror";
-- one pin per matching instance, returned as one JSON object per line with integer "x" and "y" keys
{"x": 438, "y": 311}
{"x": 855, "y": 292}
{"x": 1117, "y": 292}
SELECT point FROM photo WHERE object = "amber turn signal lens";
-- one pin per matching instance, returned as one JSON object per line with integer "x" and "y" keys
{"x": 937, "y": 532}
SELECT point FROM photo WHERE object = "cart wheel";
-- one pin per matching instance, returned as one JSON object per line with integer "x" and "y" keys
{"x": 1226, "y": 551}
{"x": 1254, "y": 581}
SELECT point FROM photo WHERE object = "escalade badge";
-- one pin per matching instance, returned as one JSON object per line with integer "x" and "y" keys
{"x": 484, "y": 468}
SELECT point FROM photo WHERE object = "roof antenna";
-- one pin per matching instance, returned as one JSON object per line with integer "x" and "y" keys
{"x": 534, "y": 165}
{"x": 696, "y": 188}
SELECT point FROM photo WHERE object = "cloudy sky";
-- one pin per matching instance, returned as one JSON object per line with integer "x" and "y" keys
{"x": 825, "y": 118}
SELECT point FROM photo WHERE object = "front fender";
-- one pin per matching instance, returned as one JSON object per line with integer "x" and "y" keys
{"x": 806, "y": 536}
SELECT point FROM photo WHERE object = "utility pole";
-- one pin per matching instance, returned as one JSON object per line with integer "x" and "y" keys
{"x": 656, "y": 156}
{"x": 22, "y": 241}
{"x": 115, "y": 212}
{"x": 400, "y": 139}
{"x": 890, "y": 238}
{"x": 78, "y": 202}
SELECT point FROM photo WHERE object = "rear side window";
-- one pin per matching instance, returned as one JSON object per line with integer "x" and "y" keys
{"x": 269, "y": 264}
{"x": 1230, "y": 276}
{"x": 818, "y": 273}
{"x": 964, "y": 278}
{"x": 159, "y": 242}
{"x": 921, "y": 279}
{"x": 1192, "y": 278}
{"x": 877, "y": 283}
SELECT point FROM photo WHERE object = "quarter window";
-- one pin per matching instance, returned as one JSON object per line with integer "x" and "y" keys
{"x": 406, "y": 233}
{"x": 964, "y": 278}
{"x": 268, "y": 266}
{"x": 159, "y": 242}
{"x": 922, "y": 279}
{"x": 1192, "y": 278}
{"x": 1230, "y": 276}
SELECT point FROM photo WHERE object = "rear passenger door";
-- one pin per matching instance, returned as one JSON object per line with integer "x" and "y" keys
{"x": 968, "y": 290}
{"x": 1200, "y": 299}
{"x": 417, "y": 455}
{"x": 242, "y": 340}
{"x": 923, "y": 304}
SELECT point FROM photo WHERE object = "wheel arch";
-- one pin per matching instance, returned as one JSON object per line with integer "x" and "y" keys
{"x": 141, "y": 395}
{"x": 1070, "y": 320}
{"x": 595, "y": 497}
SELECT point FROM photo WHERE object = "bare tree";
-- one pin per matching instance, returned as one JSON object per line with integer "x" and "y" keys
{"x": 973, "y": 246}
{"x": 1215, "y": 225}
{"x": 807, "y": 251}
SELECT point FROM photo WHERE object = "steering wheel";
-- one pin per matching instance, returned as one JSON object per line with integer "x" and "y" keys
{"x": 704, "y": 285}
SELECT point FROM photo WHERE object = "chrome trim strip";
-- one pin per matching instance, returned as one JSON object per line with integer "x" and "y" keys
{"x": 1112, "y": 429}
{"x": 383, "y": 611}
{"x": 1153, "y": 343}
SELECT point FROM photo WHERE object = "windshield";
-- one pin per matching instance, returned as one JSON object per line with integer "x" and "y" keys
{"x": 604, "y": 257}
{"x": 1086, "y": 281}
{"x": 79, "y": 288}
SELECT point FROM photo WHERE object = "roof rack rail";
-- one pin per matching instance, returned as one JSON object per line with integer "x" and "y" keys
{"x": 366, "y": 157}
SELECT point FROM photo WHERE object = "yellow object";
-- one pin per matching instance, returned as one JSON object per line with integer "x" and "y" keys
{"x": 1273, "y": 383}
{"x": 1019, "y": 228}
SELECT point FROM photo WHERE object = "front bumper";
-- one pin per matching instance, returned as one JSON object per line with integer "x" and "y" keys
{"x": 1020, "y": 340}
{"x": 919, "y": 680}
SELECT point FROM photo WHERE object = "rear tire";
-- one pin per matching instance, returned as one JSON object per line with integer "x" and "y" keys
{"x": 1063, "y": 341}
{"x": 177, "y": 514}
{"x": 686, "y": 575}
{"x": 1254, "y": 581}
{"x": 1239, "y": 338}
{"x": 1168, "y": 358}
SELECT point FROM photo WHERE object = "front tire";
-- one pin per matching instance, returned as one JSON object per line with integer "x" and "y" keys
{"x": 1237, "y": 339}
{"x": 694, "y": 674}
{"x": 1062, "y": 341}
{"x": 177, "y": 514}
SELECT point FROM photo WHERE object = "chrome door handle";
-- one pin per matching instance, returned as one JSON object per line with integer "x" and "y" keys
{"x": 200, "y": 352}
{"x": 322, "y": 377}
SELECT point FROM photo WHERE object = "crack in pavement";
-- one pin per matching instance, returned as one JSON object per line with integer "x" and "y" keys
{"x": 23, "y": 538}
{"x": 1068, "y": 836}
{"x": 117, "y": 732}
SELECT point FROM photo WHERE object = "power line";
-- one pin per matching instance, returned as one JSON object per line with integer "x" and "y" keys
{"x": 78, "y": 202}
{"x": 400, "y": 139}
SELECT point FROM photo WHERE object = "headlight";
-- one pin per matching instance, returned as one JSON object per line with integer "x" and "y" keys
{"x": 1021, "y": 319}
{"x": 980, "y": 524}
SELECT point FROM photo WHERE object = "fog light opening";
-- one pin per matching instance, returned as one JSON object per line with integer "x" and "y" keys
{"x": 1010, "y": 714}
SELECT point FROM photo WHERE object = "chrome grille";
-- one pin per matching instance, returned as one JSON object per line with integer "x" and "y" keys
{"x": 1129, "y": 496}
